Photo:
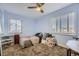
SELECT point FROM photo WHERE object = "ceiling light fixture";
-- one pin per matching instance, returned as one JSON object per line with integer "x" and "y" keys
{"x": 38, "y": 8}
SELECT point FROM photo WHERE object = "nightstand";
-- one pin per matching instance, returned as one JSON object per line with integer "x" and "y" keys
{"x": 16, "y": 39}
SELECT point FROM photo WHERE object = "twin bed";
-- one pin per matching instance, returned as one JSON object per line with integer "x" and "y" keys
{"x": 36, "y": 50}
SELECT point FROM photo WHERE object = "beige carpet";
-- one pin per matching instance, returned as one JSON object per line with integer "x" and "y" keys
{"x": 37, "y": 50}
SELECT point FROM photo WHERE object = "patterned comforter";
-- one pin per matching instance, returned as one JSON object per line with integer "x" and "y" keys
{"x": 37, "y": 50}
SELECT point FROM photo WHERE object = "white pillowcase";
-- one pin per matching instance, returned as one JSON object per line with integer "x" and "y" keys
{"x": 50, "y": 41}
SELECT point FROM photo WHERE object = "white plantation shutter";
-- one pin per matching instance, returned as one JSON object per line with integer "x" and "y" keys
{"x": 18, "y": 25}
{"x": 15, "y": 26}
{"x": 71, "y": 22}
{"x": 12, "y": 25}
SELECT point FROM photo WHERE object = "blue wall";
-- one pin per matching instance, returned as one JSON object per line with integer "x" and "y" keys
{"x": 27, "y": 23}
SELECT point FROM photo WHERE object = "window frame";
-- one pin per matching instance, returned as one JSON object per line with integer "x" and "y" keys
{"x": 16, "y": 24}
{"x": 59, "y": 23}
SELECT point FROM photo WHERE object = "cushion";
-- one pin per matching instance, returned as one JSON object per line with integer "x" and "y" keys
{"x": 35, "y": 40}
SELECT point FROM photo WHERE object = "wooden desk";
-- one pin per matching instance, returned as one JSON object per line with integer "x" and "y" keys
{"x": 73, "y": 45}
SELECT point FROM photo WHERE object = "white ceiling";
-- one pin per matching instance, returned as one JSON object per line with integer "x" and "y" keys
{"x": 21, "y": 8}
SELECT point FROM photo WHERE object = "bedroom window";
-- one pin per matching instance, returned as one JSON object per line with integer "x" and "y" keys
{"x": 64, "y": 23}
{"x": 15, "y": 26}
{"x": 54, "y": 25}
{"x": 19, "y": 26}
{"x": 71, "y": 22}
{"x": 58, "y": 27}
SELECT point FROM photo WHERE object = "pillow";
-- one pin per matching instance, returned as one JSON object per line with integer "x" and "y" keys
{"x": 47, "y": 35}
{"x": 34, "y": 40}
{"x": 51, "y": 42}
{"x": 40, "y": 35}
{"x": 28, "y": 43}
{"x": 22, "y": 41}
